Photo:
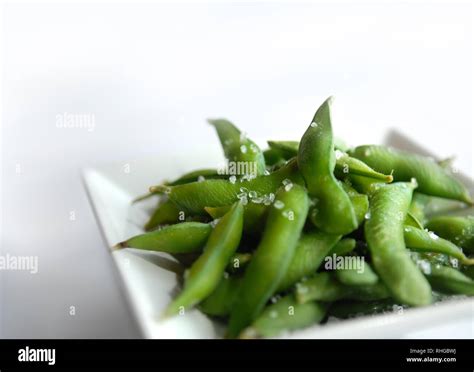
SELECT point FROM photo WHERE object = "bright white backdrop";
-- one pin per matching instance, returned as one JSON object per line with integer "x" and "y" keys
{"x": 149, "y": 74}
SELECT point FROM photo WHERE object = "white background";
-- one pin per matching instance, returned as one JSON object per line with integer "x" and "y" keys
{"x": 151, "y": 73}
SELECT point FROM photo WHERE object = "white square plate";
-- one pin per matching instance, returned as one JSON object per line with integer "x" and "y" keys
{"x": 149, "y": 278}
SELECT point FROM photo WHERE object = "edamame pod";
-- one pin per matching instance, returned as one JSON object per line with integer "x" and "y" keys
{"x": 166, "y": 213}
{"x": 385, "y": 239}
{"x": 459, "y": 230}
{"x": 448, "y": 280}
{"x": 204, "y": 275}
{"x": 310, "y": 252}
{"x": 333, "y": 212}
{"x": 411, "y": 220}
{"x": 186, "y": 237}
{"x": 237, "y": 147}
{"x": 196, "y": 175}
{"x": 254, "y": 214}
{"x": 195, "y": 196}
{"x": 239, "y": 262}
{"x": 427, "y": 241}
{"x": 360, "y": 202}
{"x": 272, "y": 258}
{"x": 220, "y": 302}
{"x": 417, "y": 207}
{"x": 345, "y": 164}
{"x": 193, "y": 176}
{"x": 354, "y": 276}
{"x": 326, "y": 288}
{"x": 431, "y": 178}
{"x": 343, "y": 247}
{"x": 283, "y": 316}
{"x": 273, "y": 157}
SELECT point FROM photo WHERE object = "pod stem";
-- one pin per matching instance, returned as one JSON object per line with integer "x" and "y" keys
{"x": 468, "y": 261}
{"x": 142, "y": 197}
{"x": 159, "y": 189}
{"x": 119, "y": 246}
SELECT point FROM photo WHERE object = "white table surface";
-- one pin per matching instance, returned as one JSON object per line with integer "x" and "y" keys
{"x": 150, "y": 74}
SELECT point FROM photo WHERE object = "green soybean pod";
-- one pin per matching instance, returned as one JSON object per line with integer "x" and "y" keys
{"x": 432, "y": 179}
{"x": 354, "y": 276}
{"x": 186, "y": 237}
{"x": 385, "y": 239}
{"x": 166, "y": 213}
{"x": 360, "y": 202}
{"x": 326, "y": 288}
{"x": 237, "y": 147}
{"x": 193, "y": 176}
{"x": 272, "y": 257}
{"x": 459, "y": 230}
{"x": 220, "y": 302}
{"x": 316, "y": 160}
{"x": 418, "y": 205}
{"x": 286, "y": 149}
{"x": 412, "y": 221}
{"x": 427, "y": 241}
{"x": 343, "y": 247}
{"x": 195, "y": 196}
{"x": 448, "y": 280}
{"x": 283, "y": 316}
{"x": 310, "y": 252}
{"x": 344, "y": 163}
{"x": 239, "y": 262}
{"x": 273, "y": 157}
{"x": 254, "y": 215}
{"x": 204, "y": 275}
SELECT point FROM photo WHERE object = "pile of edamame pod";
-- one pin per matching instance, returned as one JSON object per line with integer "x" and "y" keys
{"x": 255, "y": 245}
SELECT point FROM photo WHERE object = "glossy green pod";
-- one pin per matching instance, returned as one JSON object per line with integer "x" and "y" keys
{"x": 431, "y": 178}
{"x": 310, "y": 252}
{"x": 220, "y": 302}
{"x": 254, "y": 215}
{"x": 186, "y": 237}
{"x": 196, "y": 175}
{"x": 166, "y": 213}
{"x": 195, "y": 196}
{"x": 345, "y": 164}
{"x": 459, "y": 230}
{"x": 353, "y": 276}
{"x": 412, "y": 221}
{"x": 384, "y": 235}
{"x": 238, "y": 262}
{"x": 427, "y": 241}
{"x": 206, "y": 272}
{"x": 326, "y": 288}
{"x": 343, "y": 247}
{"x": 283, "y": 316}
{"x": 273, "y": 157}
{"x": 448, "y": 280}
{"x": 333, "y": 212}
{"x": 193, "y": 176}
{"x": 272, "y": 257}
{"x": 360, "y": 202}
{"x": 237, "y": 147}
